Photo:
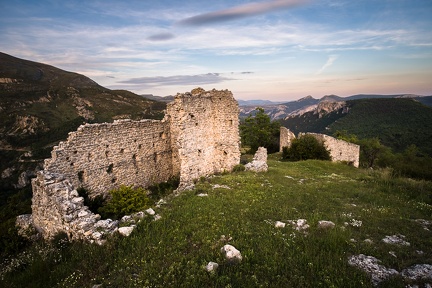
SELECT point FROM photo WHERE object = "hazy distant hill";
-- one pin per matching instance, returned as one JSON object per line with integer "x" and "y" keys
{"x": 158, "y": 98}
{"x": 281, "y": 110}
{"x": 398, "y": 122}
{"x": 40, "y": 104}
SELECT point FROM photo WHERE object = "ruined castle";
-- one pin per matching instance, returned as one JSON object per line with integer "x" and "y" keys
{"x": 199, "y": 136}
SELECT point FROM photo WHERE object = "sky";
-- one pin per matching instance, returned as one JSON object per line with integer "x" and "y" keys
{"x": 266, "y": 49}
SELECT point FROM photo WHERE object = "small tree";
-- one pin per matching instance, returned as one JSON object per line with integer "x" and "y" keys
{"x": 259, "y": 131}
{"x": 123, "y": 201}
{"x": 305, "y": 147}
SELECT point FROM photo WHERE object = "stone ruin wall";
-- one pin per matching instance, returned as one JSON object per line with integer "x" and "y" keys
{"x": 100, "y": 157}
{"x": 286, "y": 136}
{"x": 199, "y": 136}
{"x": 205, "y": 128}
{"x": 339, "y": 150}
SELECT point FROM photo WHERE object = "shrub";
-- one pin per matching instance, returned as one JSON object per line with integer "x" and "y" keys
{"x": 305, "y": 147}
{"x": 238, "y": 168}
{"x": 123, "y": 201}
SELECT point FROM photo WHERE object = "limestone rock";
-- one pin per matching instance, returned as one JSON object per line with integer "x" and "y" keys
{"x": 418, "y": 272}
{"x": 212, "y": 266}
{"x": 323, "y": 224}
{"x": 280, "y": 224}
{"x": 259, "y": 162}
{"x": 371, "y": 265}
{"x": 125, "y": 231}
{"x": 150, "y": 211}
{"x": 231, "y": 254}
{"x": 396, "y": 240}
{"x": 299, "y": 224}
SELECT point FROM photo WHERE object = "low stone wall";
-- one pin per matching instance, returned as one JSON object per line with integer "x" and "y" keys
{"x": 340, "y": 150}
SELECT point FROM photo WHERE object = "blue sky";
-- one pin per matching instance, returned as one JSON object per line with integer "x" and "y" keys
{"x": 273, "y": 49}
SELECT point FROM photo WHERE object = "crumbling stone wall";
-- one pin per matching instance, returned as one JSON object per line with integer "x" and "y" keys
{"x": 286, "y": 136}
{"x": 204, "y": 129}
{"x": 199, "y": 136}
{"x": 100, "y": 157}
{"x": 339, "y": 150}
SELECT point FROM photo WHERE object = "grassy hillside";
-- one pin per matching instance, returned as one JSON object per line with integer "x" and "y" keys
{"x": 365, "y": 205}
{"x": 398, "y": 122}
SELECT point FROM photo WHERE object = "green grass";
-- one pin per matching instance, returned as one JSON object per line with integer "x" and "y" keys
{"x": 173, "y": 251}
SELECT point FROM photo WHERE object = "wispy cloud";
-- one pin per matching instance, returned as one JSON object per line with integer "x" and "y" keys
{"x": 161, "y": 36}
{"x": 329, "y": 63}
{"x": 201, "y": 79}
{"x": 241, "y": 11}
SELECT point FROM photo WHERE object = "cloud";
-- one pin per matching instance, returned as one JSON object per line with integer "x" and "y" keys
{"x": 329, "y": 63}
{"x": 161, "y": 36}
{"x": 238, "y": 12}
{"x": 209, "y": 78}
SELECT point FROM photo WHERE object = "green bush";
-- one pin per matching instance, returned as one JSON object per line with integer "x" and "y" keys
{"x": 238, "y": 168}
{"x": 305, "y": 147}
{"x": 123, "y": 201}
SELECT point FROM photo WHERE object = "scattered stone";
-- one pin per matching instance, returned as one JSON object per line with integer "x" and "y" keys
{"x": 202, "y": 195}
{"x": 418, "y": 272}
{"x": 157, "y": 217}
{"x": 392, "y": 253}
{"x": 259, "y": 162}
{"x": 324, "y": 224}
{"x": 352, "y": 240}
{"x": 150, "y": 211}
{"x": 231, "y": 254}
{"x": 220, "y": 186}
{"x": 125, "y": 231}
{"x": 371, "y": 265}
{"x": 280, "y": 224}
{"x": 289, "y": 177}
{"x": 396, "y": 240}
{"x": 299, "y": 225}
{"x": 212, "y": 266}
{"x": 160, "y": 203}
{"x": 424, "y": 223}
{"x": 368, "y": 241}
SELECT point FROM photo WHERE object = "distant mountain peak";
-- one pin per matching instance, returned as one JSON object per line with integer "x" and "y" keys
{"x": 309, "y": 97}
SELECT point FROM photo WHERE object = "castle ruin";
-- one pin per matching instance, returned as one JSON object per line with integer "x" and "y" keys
{"x": 198, "y": 137}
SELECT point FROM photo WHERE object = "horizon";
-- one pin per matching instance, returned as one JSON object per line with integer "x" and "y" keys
{"x": 277, "y": 50}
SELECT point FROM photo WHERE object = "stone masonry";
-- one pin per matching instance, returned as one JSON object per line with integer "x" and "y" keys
{"x": 198, "y": 137}
{"x": 339, "y": 150}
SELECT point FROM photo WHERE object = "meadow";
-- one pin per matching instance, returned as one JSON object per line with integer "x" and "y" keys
{"x": 241, "y": 209}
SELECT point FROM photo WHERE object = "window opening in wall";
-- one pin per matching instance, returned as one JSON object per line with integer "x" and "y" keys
{"x": 121, "y": 150}
{"x": 225, "y": 153}
{"x": 155, "y": 157}
{"x": 110, "y": 168}
{"x": 72, "y": 164}
{"x": 81, "y": 176}
{"x": 134, "y": 157}
{"x": 106, "y": 153}
{"x": 199, "y": 151}
{"x": 75, "y": 152}
{"x": 191, "y": 115}
{"x": 113, "y": 180}
{"x": 139, "y": 146}
{"x": 231, "y": 122}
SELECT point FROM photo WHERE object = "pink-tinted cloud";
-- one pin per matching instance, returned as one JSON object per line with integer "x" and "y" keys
{"x": 241, "y": 11}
